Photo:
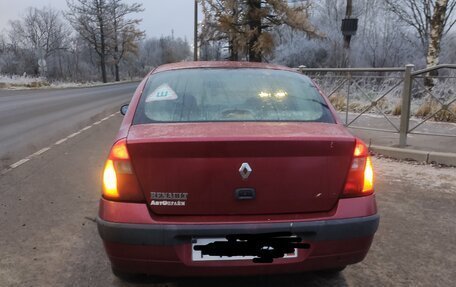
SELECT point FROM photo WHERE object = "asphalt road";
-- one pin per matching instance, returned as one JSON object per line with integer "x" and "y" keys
{"x": 48, "y": 236}
{"x": 33, "y": 119}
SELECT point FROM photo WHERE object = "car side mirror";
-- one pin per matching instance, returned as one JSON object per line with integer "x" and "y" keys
{"x": 123, "y": 110}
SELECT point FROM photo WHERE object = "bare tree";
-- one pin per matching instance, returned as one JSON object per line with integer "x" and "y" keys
{"x": 211, "y": 51}
{"x": 328, "y": 17}
{"x": 125, "y": 34}
{"x": 380, "y": 41}
{"x": 3, "y": 43}
{"x": 155, "y": 52}
{"x": 438, "y": 20}
{"x": 41, "y": 31}
{"x": 431, "y": 20}
{"x": 91, "y": 19}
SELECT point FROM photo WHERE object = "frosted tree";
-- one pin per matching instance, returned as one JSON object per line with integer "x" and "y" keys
{"x": 222, "y": 23}
{"x": 328, "y": 15}
{"x": 438, "y": 22}
{"x": 431, "y": 20}
{"x": 380, "y": 41}
{"x": 125, "y": 33}
{"x": 155, "y": 52}
{"x": 91, "y": 20}
{"x": 41, "y": 31}
{"x": 248, "y": 25}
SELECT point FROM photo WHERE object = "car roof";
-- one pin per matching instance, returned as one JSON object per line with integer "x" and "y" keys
{"x": 220, "y": 65}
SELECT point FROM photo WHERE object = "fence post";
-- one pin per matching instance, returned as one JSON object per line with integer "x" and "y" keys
{"x": 405, "y": 108}
{"x": 348, "y": 97}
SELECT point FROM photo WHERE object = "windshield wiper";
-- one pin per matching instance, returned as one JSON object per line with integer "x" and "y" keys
{"x": 316, "y": 101}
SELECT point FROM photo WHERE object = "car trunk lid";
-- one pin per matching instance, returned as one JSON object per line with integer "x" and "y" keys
{"x": 295, "y": 167}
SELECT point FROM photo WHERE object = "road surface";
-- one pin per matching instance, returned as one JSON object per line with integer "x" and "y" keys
{"x": 49, "y": 238}
{"x": 32, "y": 119}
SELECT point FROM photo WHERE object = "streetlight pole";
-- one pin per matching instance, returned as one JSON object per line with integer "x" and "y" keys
{"x": 195, "y": 40}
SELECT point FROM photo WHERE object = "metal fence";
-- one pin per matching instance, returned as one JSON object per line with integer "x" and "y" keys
{"x": 378, "y": 89}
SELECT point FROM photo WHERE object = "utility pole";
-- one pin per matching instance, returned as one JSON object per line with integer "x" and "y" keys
{"x": 348, "y": 14}
{"x": 195, "y": 40}
{"x": 349, "y": 28}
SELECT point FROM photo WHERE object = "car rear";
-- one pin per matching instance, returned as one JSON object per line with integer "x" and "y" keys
{"x": 234, "y": 171}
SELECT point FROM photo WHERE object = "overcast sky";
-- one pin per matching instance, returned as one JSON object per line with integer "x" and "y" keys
{"x": 159, "y": 18}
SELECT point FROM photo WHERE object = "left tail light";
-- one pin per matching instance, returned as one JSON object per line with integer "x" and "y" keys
{"x": 119, "y": 180}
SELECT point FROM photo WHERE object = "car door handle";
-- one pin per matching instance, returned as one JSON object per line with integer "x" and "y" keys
{"x": 245, "y": 193}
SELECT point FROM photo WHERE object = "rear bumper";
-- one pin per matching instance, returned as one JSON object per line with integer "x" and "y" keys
{"x": 171, "y": 234}
{"x": 136, "y": 243}
{"x": 175, "y": 261}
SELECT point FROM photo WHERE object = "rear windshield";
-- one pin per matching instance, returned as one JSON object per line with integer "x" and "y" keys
{"x": 230, "y": 95}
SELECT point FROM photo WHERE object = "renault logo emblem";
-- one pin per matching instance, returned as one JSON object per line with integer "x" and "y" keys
{"x": 245, "y": 170}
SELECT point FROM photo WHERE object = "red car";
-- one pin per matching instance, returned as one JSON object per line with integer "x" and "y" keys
{"x": 228, "y": 168}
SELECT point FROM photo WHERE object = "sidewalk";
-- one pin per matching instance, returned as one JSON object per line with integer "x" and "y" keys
{"x": 422, "y": 148}
{"x": 429, "y": 149}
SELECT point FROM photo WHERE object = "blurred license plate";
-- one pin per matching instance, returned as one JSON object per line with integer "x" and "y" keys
{"x": 198, "y": 256}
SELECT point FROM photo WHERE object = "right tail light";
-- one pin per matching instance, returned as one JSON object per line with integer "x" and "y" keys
{"x": 360, "y": 179}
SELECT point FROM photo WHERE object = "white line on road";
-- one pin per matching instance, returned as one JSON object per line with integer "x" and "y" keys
{"x": 60, "y": 141}
{"x": 43, "y": 150}
{"x": 73, "y": 135}
{"x": 19, "y": 163}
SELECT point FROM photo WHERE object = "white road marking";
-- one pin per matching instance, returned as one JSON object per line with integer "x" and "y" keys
{"x": 60, "y": 141}
{"x": 5, "y": 171}
{"x": 73, "y": 135}
{"x": 43, "y": 150}
{"x": 19, "y": 163}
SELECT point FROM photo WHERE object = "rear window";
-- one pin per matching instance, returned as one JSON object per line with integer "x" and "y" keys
{"x": 230, "y": 95}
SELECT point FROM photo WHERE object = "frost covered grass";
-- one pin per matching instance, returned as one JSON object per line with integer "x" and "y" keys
{"x": 11, "y": 81}
{"x": 365, "y": 91}
{"x": 429, "y": 176}
{"x": 62, "y": 85}
{"x": 432, "y": 107}
{"x": 15, "y": 82}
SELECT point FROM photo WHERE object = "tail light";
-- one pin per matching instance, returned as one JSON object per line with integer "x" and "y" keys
{"x": 360, "y": 179}
{"x": 119, "y": 180}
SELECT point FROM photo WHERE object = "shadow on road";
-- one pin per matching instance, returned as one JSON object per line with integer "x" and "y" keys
{"x": 306, "y": 279}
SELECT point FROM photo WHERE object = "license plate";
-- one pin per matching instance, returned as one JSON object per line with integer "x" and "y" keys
{"x": 198, "y": 256}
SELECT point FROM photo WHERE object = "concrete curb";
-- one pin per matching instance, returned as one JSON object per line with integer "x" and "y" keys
{"x": 416, "y": 155}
